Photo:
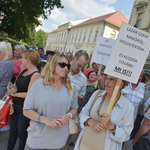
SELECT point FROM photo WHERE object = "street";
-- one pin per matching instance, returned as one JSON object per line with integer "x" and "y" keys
{"x": 4, "y": 139}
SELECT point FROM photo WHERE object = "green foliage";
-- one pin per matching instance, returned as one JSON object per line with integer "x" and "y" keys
{"x": 13, "y": 42}
{"x": 22, "y": 15}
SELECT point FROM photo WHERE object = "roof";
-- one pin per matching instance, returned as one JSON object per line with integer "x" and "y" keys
{"x": 115, "y": 18}
{"x": 53, "y": 31}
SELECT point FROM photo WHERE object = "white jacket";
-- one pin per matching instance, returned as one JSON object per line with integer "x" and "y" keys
{"x": 122, "y": 116}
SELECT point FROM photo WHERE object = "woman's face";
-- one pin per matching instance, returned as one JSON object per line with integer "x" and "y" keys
{"x": 17, "y": 52}
{"x": 24, "y": 60}
{"x": 61, "y": 72}
{"x": 92, "y": 76}
{"x": 110, "y": 84}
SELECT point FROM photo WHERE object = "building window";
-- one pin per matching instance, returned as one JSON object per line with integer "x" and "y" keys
{"x": 85, "y": 35}
{"x": 113, "y": 34}
{"x": 80, "y": 36}
{"x": 90, "y": 35}
{"x": 96, "y": 34}
{"x": 72, "y": 36}
{"x": 76, "y": 36}
{"x": 139, "y": 19}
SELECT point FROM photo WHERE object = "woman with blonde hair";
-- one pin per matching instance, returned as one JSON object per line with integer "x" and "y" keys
{"x": 18, "y": 122}
{"x": 48, "y": 106}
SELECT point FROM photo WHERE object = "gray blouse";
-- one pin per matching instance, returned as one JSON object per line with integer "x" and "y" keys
{"x": 49, "y": 102}
{"x": 6, "y": 74}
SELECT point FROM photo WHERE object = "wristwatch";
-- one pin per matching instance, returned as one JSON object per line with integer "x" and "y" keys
{"x": 70, "y": 115}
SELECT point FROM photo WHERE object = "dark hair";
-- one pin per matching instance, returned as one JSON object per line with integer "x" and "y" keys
{"x": 71, "y": 55}
{"x": 50, "y": 52}
{"x": 144, "y": 79}
{"x": 40, "y": 65}
{"x": 41, "y": 48}
{"x": 124, "y": 84}
{"x": 90, "y": 73}
{"x": 80, "y": 53}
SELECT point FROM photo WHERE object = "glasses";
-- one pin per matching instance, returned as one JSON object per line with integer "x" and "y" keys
{"x": 110, "y": 79}
{"x": 63, "y": 65}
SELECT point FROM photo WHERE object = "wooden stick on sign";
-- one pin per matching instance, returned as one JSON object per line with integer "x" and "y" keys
{"x": 113, "y": 98}
{"x": 99, "y": 70}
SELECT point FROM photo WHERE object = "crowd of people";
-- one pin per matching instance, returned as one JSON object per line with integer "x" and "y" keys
{"x": 42, "y": 105}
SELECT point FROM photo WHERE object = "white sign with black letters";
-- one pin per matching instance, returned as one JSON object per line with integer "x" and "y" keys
{"x": 129, "y": 54}
{"x": 103, "y": 50}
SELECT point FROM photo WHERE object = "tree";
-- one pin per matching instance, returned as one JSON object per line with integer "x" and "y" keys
{"x": 22, "y": 15}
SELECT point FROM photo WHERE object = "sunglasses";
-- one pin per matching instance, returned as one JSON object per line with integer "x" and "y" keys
{"x": 110, "y": 79}
{"x": 63, "y": 65}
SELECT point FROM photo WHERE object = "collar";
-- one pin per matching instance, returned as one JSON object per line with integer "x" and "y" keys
{"x": 79, "y": 74}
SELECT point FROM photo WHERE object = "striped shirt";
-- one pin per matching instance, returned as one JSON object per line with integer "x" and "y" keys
{"x": 6, "y": 73}
{"x": 80, "y": 82}
{"x": 134, "y": 96}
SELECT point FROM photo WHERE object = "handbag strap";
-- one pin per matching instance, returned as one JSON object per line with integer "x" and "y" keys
{"x": 96, "y": 97}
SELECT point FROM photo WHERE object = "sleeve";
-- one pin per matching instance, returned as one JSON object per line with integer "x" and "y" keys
{"x": 147, "y": 115}
{"x": 29, "y": 100}
{"x": 83, "y": 89}
{"x": 147, "y": 103}
{"x": 123, "y": 131}
{"x": 74, "y": 102}
{"x": 85, "y": 113}
{"x": 3, "y": 68}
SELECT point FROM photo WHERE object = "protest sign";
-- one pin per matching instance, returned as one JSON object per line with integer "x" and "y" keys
{"x": 129, "y": 54}
{"x": 103, "y": 50}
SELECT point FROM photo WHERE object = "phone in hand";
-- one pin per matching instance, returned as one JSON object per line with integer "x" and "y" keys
{"x": 11, "y": 85}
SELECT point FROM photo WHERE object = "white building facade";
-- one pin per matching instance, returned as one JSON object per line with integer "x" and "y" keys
{"x": 140, "y": 18}
{"x": 82, "y": 34}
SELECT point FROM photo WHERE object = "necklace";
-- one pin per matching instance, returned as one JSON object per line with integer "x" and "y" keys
{"x": 100, "y": 115}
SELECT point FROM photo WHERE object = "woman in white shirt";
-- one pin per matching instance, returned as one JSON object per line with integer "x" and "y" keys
{"x": 101, "y": 131}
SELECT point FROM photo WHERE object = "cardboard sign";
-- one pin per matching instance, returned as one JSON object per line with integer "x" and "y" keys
{"x": 103, "y": 50}
{"x": 129, "y": 54}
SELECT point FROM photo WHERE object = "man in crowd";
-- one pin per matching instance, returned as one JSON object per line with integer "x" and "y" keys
{"x": 79, "y": 61}
{"x": 142, "y": 139}
{"x": 56, "y": 51}
{"x": 49, "y": 54}
{"x": 41, "y": 52}
{"x": 135, "y": 94}
{"x": 69, "y": 56}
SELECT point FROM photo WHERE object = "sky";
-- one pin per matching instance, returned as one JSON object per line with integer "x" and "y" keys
{"x": 79, "y": 9}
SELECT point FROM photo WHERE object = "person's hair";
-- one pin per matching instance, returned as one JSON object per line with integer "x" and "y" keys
{"x": 8, "y": 52}
{"x": 90, "y": 73}
{"x": 80, "y": 53}
{"x": 50, "y": 52}
{"x": 144, "y": 79}
{"x": 41, "y": 48}
{"x": 71, "y": 55}
{"x": 32, "y": 55}
{"x": 48, "y": 72}
{"x": 3, "y": 46}
{"x": 124, "y": 84}
{"x": 22, "y": 48}
{"x": 40, "y": 65}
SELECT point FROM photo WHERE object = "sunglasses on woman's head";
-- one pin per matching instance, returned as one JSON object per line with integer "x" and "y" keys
{"x": 63, "y": 65}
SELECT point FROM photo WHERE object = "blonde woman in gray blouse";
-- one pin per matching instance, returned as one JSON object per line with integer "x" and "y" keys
{"x": 48, "y": 106}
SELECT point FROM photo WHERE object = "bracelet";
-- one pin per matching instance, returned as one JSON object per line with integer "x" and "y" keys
{"x": 113, "y": 128}
{"x": 39, "y": 118}
{"x": 86, "y": 122}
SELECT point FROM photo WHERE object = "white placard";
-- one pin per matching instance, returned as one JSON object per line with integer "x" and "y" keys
{"x": 103, "y": 50}
{"x": 129, "y": 54}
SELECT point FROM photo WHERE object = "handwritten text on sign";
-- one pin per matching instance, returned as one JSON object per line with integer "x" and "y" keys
{"x": 129, "y": 54}
{"x": 103, "y": 50}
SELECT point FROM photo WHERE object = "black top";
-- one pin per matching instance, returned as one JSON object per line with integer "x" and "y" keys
{"x": 22, "y": 84}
